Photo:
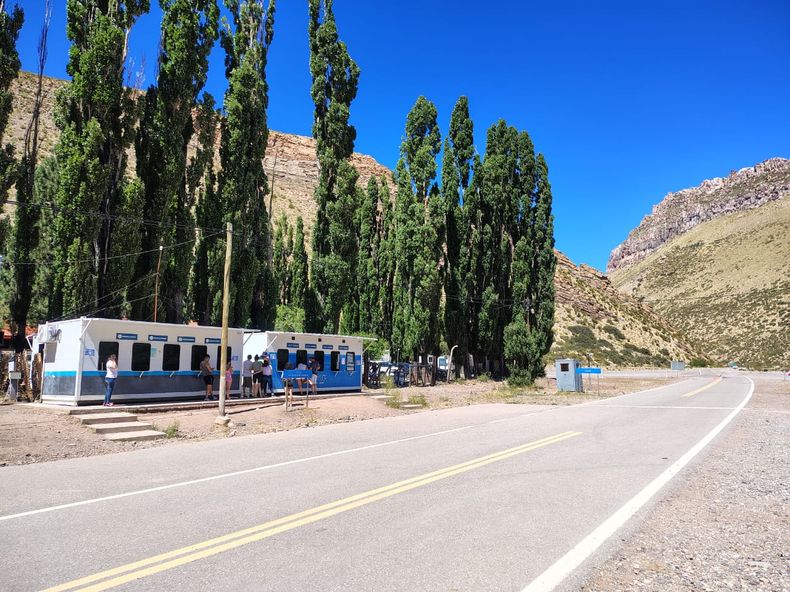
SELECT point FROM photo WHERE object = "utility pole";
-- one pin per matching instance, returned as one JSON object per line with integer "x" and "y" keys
{"x": 225, "y": 309}
{"x": 156, "y": 285}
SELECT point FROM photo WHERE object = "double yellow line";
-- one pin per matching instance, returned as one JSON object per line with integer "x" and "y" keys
{"x": 165, "y": 561}
{"x": 704, "y": 388}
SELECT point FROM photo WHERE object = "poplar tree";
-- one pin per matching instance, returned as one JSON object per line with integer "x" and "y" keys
{"x": 385, "y": 265}
{"x": 298, "y": 267}
{"x": 242, "y": 181}
{"x": 456, "y": 172}
{"x": 188, "y": 33}
{"x": 10, "y": 24}
{"x": 97, "y": 225}
{"x": 281, "y": 260}
{"x": 335, "y": 78}
{"x": 419, "y": 236}
{"x": 367, "y": 276}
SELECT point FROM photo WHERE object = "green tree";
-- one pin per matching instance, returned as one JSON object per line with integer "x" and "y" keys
{"x": 367, "y": 273}
{"x": 335, "y": 78}
{"x": 242, "y": 181}
{"x": 10, "y": 24}
{"x": 188, "y": 33}
{"x": 96, "y": 114}
{"x": 419, "y": 236}
{"x": 298, "y": 268}
{"x": 281, "y": 260}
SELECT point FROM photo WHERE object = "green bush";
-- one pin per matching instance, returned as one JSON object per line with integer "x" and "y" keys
{"x": 698, "y": 363}
{"x": 614, "y": 331}
{"x": 519, "y": 378}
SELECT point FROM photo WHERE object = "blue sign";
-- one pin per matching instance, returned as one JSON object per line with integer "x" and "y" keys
{"x": 157, "y": 338}
{"x": 343, "y": 348}
{"x": 212, "y": 340}
{"x": 184, "y": 339}
{"x": 293, "y": 374}
{"x": 327, "y": 347}
{"x": 588, "y": 370}
{"x": 292, "y": 345}
{"x": 126, "y": 336}
{"x": 310, "y": 346}
{"x": 89, "y": 353}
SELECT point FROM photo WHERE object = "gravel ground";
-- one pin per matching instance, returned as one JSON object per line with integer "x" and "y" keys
{"x": 726, "y": 526}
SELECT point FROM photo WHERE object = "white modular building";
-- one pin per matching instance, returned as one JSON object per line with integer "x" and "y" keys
{"x": 156, "y": 361}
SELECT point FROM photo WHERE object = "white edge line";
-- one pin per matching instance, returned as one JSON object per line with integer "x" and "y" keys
{"x": 225, "y": 475}
{"x": 557, "y": 572}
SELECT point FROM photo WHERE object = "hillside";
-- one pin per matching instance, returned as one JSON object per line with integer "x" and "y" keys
{"x": 592, "y": 316}
{"x": 726, "y": 283}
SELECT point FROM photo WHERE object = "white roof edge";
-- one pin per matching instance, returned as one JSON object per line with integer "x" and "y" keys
{"x": 149, "y": 323}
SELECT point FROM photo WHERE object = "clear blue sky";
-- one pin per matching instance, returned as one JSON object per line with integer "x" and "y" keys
{"x": 627, "y": 100}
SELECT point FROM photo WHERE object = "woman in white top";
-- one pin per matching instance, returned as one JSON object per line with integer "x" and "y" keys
{"x": 109, "y": 379}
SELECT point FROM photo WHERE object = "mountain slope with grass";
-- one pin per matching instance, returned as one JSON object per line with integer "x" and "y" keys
{"x": 726, "y": 284}
{"x": 593, "y": 317}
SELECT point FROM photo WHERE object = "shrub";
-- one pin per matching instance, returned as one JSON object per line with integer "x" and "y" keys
{"x": 171, "y": 431}
{"x": 614, "y": 331}
{"x": 698, "y": 363}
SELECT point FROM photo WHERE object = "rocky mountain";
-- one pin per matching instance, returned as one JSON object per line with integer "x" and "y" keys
{"x": 715, "y": 262}
{"x": 592, "y": 316}
{"x": 681, "y": 211}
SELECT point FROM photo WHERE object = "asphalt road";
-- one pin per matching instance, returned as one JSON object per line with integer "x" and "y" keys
{"x": 491, "y": 497}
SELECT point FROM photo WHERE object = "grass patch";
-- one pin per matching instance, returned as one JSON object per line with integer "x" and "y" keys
{"x": 171, "y": 431}
{"x": 418, "y": 400}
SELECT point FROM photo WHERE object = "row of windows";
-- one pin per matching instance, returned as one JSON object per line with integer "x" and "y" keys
{"x": 302, "y": 358}
{"x": 171, "y": 356}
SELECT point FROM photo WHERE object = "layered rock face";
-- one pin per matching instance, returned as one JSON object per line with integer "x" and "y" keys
{"x": 681, "y": 211}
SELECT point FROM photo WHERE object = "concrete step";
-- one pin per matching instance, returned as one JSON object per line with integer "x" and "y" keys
{"x": 91, "y": 410}
{"x": 94, "y": 418}
{"x": 126, "y": 426}
{"x": 411, "y": 406}
{"x": 135, "y": 436}
{"x": 379, "y": 397}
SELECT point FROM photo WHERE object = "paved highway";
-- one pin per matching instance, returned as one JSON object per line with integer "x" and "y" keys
{"x": 491, "y": 497}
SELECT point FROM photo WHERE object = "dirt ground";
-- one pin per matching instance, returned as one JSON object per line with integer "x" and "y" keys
{"x": 30, "y": 433}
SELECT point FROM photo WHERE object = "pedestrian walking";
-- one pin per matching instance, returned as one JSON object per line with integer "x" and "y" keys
{"x": 207, "y": 374}
{"x": 257, "y": 376}
{"x": 246, "y": 377}
{"x": 228, "y": 379}
{"x": 110, "y": 378}
{"x": 267, "y": 377}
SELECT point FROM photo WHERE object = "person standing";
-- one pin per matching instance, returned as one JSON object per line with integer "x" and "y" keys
{"x": 257, "y": 376}
{"x": 313, "y": 382}
{"x": 246, "y": 377}
{"x": 207, "y": 374}
{"x": 267, "y": 377}
{"x": 228, "y": 380}
{"x": 288, "y": 387}
{"x": 110, "y": 378}
{"x": 300, "y": 381}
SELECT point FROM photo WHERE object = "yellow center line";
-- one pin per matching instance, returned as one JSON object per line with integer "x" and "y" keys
{"x": 159, "y": 563}
{"x": 704, "y": 388}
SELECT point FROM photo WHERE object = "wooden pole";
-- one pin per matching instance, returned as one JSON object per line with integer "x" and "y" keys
{"x": 225, "y": 310}
{"x": 156, "y": 285}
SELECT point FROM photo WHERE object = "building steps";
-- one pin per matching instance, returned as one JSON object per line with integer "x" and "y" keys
{"x": 114, "y": 425}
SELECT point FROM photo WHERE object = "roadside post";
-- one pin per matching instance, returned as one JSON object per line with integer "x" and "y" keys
{"x": 223, "y": 419}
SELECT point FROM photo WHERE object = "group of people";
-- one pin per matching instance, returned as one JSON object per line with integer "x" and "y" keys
{"x": 256, "y": 378}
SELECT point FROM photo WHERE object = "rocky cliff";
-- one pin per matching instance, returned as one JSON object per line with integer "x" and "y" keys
{"x": 681, "y": 211}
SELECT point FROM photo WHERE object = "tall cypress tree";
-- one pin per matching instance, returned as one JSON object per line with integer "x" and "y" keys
{"x": 10, "y": 24}
{"x": 335, "y": 79}
{"x": 242, "y": 181}
{"x": 456, "y": 173}
{"x": 419, "y": 236}
{"x": 188, "y": 33}
{"x": 385, "y": 265}
{"x": 298, "y": 268}
{"x": 95, "y": 113}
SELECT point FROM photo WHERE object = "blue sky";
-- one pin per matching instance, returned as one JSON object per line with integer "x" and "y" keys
{"x": 627, "y": 100}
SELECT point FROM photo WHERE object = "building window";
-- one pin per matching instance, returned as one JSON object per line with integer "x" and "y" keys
{"x": 219, "y": 355}
{"x": 141, "y": 357}
{"x": 50, "y": 351}
{"x": 319, "y": 357}
{"x": 350, "y": 357}
{"x": 171, "y": 357}
{"x": 282, "y": 358}
{"x": 334, "y": 361}
{"x": 564, "y": 367}
{"x": 301, "y": 357}
{"x": 198, "y": 353}
{"x": 105, "y": 349}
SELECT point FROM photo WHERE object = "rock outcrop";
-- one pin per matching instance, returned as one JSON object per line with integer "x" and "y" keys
{"x": 681, "y": 211}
